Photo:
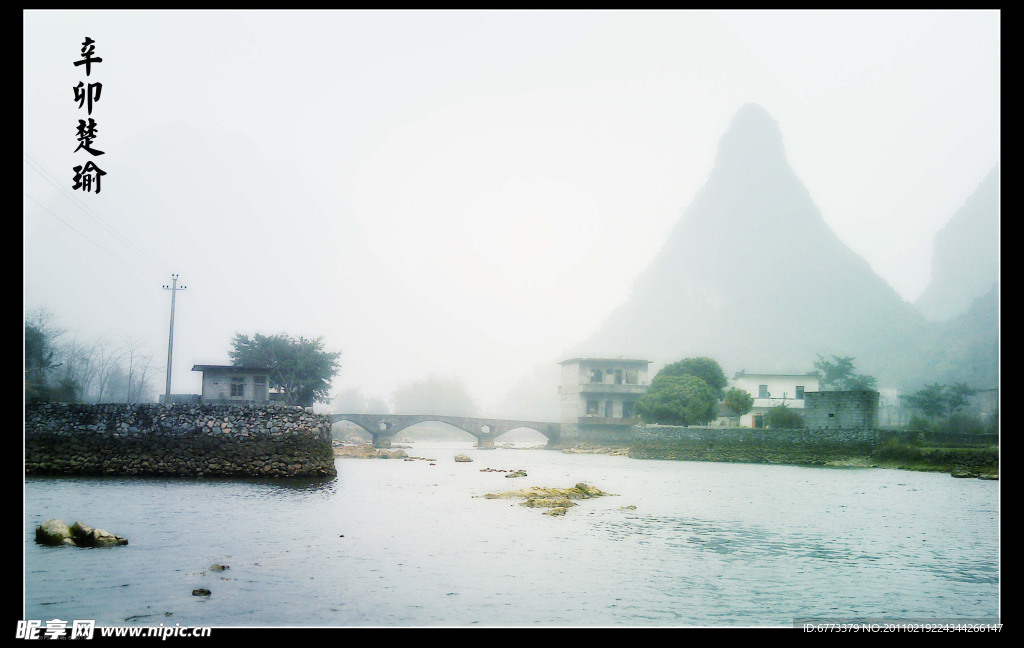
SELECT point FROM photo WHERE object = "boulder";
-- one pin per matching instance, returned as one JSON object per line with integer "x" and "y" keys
{"x": 462, "y": 457}
{"x": 85, "y": 536}
{"x": 54, "y": 533}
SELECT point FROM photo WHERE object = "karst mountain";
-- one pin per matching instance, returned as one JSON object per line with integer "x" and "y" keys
{"x": 753, "y": 277}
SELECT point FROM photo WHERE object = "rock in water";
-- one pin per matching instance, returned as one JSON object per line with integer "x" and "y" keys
{"x": 85, "y": 536}
{"x": 54, "y": 533}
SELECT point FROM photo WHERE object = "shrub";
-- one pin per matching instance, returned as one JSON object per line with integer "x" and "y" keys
{"x": 961, "y": 423}
{"x": 895, "y": 450}
{"x": 781, "y": 417}
{"x": 919, "y": 423}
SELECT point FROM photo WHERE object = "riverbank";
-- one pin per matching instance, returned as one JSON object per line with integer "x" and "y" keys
{"x": 976, "y": 457}
{"x": 964, "y": 462}
{"x": 977, "y": 462}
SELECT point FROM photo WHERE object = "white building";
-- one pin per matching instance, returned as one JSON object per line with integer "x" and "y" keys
{"x": 599, "y": 396}
{"x": 770, "y": 390}
{"x": 227, "y": 383}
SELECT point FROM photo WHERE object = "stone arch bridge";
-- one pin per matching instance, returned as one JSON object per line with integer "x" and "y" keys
{"x": 384, "y": 426}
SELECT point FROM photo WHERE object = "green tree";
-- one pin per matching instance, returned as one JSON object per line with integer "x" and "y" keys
{"x": 739, "y": 401}
{"x": 678, "y": 400}
{"x": 300, "y": 368}
{"x": 839, "y": 374}
{"x": 42, "y": 358}
{"x": 935, "y": 400}
{"x": 704, "y": 368}
{"x": 781, "y": 417}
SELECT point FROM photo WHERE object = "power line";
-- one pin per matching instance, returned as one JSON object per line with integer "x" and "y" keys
{"x": 73, "y": 199}
{"x": 72, "y": 228}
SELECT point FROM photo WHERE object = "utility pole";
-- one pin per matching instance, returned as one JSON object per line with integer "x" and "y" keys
{"x": 170, "y": 338}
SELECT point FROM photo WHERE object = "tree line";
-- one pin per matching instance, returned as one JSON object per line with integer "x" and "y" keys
{"x": 693, "y": 391}
{"x": 61, "y": 367}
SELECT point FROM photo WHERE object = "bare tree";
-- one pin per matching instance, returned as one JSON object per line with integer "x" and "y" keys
{"x": 140, "y": 370}
{"x": 79, "y": 361}
{"x": 108, "y": 362}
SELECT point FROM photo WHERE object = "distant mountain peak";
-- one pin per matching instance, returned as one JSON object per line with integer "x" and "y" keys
{"x": 965, "y": 257}
{"x": 753, "y": 138}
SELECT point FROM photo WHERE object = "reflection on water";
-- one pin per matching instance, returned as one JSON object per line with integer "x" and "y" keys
{"x": 407, "y": 543}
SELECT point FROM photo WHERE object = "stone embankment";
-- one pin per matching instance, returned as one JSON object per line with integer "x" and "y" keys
{"x": 744, "y": 445}
{"x": 828, "y": 447}
{"x": 188, "y": 440}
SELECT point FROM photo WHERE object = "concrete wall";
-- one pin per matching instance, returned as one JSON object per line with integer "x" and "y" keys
{"x": 830, "y": 410}
{"x": 183, "y": 440}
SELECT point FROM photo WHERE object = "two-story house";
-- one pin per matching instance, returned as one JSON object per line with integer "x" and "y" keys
{"x": 771, "y": 390}
{"x": 599, "y": 396}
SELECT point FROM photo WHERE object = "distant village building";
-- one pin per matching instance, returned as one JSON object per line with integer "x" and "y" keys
{"x": 892, "y": 413}
{"x": 771, "y": 390}
{"x": 985, "y": 405}
{"x": 599, "y": 397}
{"x": 228, "y": 383}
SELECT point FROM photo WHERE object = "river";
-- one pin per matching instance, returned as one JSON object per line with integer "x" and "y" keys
{"x": 392, "y": 543}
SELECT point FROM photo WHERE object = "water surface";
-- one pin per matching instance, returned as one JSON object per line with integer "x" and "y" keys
{"x": 407, "y": 543}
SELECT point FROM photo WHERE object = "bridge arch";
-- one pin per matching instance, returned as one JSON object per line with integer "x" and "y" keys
{"x": 382, "y": 427}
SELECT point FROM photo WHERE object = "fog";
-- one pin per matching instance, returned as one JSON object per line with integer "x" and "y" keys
{"x": 462, "y": 194}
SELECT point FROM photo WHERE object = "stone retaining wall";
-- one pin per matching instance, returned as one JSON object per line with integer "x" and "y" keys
{"x": 177, "y": 439}
{"x": 816, "y": 447}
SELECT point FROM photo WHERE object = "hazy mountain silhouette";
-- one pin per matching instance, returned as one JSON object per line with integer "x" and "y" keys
{"x": 753, "y": 277}
{"x": 966, "y": 347}
{"x": 965, "y": 260}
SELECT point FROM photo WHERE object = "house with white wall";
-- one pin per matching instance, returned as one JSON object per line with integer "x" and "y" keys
{"x": 599, "y": 397}
{"x": 228, "y": 383}
{"x": 771, "y": 390}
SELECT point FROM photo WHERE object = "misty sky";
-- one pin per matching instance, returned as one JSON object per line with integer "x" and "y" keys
{"x": 462, "y": 193}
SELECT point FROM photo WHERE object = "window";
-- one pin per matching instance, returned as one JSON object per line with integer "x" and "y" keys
{"x": 762, "y": 391}
{"x": 259, "y": 380}
{"x": 238, "y": 386}
{"x": 596, "y": 376}
{"x": 618, "y": 376}
{"x": 632, "y": 376}
{"x": 607, "y": 409}
{"x": 799, "y": 392}
{"x": 591, "y": 408}
{"x": 627, "y": 409}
